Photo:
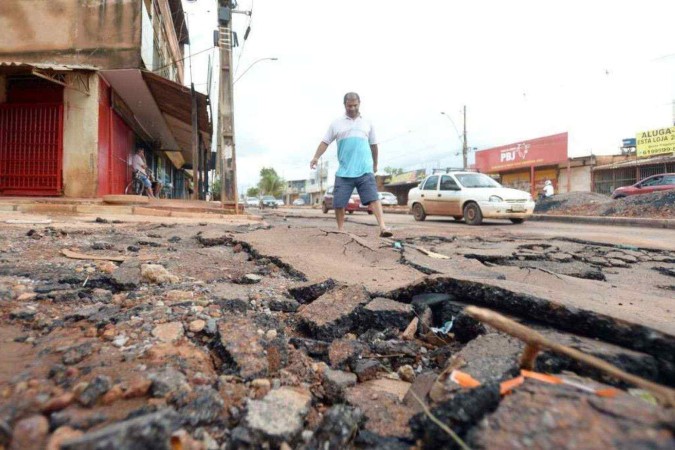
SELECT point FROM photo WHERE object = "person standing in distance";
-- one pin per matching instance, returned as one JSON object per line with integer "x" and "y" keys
{"x": 357, "y": 156}
{"x": 139, "y": 164}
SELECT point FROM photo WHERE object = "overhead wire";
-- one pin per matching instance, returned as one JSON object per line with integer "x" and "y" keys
{"x": 243, "y": 45}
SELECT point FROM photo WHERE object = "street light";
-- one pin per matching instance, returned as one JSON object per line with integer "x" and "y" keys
{"x": 453, "y": 125}
{"x": 253, "y": 64}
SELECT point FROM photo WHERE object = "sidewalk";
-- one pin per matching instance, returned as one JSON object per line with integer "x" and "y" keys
{"x": 122, "y": 205}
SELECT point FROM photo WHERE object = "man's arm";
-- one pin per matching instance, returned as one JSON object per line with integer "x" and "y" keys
{"x": 373, "y": 150}
{"x": 321, "y": 149}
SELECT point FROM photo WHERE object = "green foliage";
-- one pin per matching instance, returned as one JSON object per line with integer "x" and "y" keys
{"x": 270, "y": 183}
{"x": 253, "y": 192}
{"x": 393, "y": 171}
{"x": 215, "y": 188}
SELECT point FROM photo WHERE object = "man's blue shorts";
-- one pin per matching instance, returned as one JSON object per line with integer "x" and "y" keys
{"x": 145, "y": 180}
{"x": 365, "y": 185}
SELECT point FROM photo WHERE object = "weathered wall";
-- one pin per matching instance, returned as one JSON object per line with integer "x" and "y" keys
{"x": 80, "y": 141}
{"x": 580, "y": 179}
{"x": 103, "y": 33}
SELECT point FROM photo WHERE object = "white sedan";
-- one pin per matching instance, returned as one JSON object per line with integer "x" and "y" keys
{"x": 468, "y": 195}
{"x": 387, "y": 199}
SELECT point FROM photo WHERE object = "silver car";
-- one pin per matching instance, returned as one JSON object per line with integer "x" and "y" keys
{"x": 388, "y": 199}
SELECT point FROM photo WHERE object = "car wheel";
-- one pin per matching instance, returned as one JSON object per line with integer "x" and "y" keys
{"x": 517, "y": 221}
{"x": 472, "y": 214}
{"x": 324, "y": 208}
{"x": 350, "y": 212}
{"x": 457, "y": 218}
{"x": 370, "y": 212}
{"x": 617, "y": 197}
{"x": 418, "y": 212}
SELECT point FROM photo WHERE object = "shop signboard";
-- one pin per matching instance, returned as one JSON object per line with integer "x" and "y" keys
{"x": 411, "y": 177}
{"x": 655, "y": 142}
{"x": 542, "y": 151}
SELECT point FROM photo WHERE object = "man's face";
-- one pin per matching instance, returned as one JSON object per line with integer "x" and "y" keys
{"x": 352, "y": 107}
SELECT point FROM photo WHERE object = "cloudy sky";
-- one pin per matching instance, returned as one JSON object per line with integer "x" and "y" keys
{"x": 601, "y": 70}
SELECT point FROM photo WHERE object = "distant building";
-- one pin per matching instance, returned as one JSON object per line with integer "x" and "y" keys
{"x": 82, "y": 83}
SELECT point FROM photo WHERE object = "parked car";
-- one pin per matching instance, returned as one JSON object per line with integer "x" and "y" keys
{"x": 252, "y": 202}
{"x": 353, "y": 205}
{"x": 298, "y": 202}
{"x": 388, "y": 199}
{"x": 661, "y": 182}
{"x": 468, "y": 195}
{"x": 280, "y": 202}
{"x": 268, "y": 201}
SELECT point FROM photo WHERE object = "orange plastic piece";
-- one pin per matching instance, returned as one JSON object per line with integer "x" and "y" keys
{"x": 541, "y": 377}
{"x": 607, "y": 393}
{"x": 464, "y": 379}
{"x": 507, "y": 386}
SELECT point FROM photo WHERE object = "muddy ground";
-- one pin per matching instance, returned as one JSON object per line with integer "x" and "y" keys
{"x": 285, "y": 334}
{"x": 657, "y": 205}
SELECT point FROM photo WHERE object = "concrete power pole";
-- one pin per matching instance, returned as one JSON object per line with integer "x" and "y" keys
{"x": 227, "y": 156}
{"x": 464, "y": 145}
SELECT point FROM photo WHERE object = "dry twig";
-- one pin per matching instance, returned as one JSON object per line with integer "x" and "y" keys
{"x": 535, "y": 341}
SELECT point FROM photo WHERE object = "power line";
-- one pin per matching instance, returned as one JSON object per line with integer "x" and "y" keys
{"x": 183, "y": 59}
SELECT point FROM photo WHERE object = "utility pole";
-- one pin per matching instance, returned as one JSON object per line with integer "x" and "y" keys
{"x": 227, "y": 157}
{"x": 196, "y": 185}
{"x": 464, "y": 145}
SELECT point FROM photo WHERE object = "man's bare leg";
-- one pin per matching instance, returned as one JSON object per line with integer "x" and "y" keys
{"x": 379, "y": 215}
{"x": 340, "y": 217}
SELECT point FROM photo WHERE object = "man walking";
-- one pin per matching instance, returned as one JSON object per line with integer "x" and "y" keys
{"x": 357, "y": 155}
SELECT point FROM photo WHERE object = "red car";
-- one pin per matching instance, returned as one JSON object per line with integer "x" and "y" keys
{"x": 353, "y": 205}
{"x": 661, "y": 182}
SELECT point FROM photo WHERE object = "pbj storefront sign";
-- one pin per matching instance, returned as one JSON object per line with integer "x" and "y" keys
{"x": 655, "y": 142}
{"x": 534, "y": 152}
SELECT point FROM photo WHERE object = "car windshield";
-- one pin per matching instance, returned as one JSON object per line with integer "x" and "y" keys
{"x": 476, "y": 180}
{"x": 252, "y": 199}
{"x": 268, "y": 197}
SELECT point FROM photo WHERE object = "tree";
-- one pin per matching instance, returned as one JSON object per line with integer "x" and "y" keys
{"x": 253, "y": 192}
{"x": 393, "y": 171}
{"x": 270, "y": 183}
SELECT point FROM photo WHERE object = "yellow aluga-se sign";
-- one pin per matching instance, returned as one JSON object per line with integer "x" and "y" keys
{"x": 655, "y": 142}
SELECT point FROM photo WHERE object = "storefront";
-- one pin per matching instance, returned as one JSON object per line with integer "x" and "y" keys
{"x": 400, "y": 185}
{"x": 525, "y": 165}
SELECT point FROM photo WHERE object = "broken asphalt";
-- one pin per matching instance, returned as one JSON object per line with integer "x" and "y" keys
{"x": 283, "y": 333}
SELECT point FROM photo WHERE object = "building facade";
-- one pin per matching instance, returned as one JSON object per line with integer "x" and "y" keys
{"x": 526, "y": 165}
{"x": 82, "y": 84}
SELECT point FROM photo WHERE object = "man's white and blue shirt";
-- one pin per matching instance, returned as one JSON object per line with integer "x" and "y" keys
{"x": 354, "y": 138}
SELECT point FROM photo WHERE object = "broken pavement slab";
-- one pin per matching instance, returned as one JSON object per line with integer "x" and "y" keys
{"x": 382, "y": 313}
{"x": 335, "y": 313}
{"x": 241, "y": 344}
{"x": 560, "y": 416}
{"x": 381, "y": 403}
{"x": 279, "y": 416}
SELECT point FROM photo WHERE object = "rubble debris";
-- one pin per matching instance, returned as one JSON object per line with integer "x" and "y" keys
{"x": 308, "y": 292}
{"x": 459, "y": 413}
{"x": 155, "y": 273}
{"x": 148, "y": 431}
{"x": 335, "y": 382}
{"x": 542, "y": 409}
{"x": 30, "y": 433}
{"x": 279, "y": 416}
{"x": 338, "y": 428}
{"x": 380, "y": 401}
{"x": 241, "y": 344}
{"x": 95, "y": 390}
{"x": 75, "y": 255}
{"x": 335, "y": 313}
{"x": 367, "y": 369}
{"x": 344, "y": 353}
{"x": 168, "y": 332}
{"x": 383, "y": 313}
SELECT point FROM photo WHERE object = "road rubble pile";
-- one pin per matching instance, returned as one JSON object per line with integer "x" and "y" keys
{"x": 656, "y": 205}
{"x": 185, "y": 336}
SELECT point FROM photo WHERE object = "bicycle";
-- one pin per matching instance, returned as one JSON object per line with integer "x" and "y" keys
{"x": 135, "y": 186}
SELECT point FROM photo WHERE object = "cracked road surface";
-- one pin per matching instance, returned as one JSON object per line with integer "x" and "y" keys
{"x": 282, "y": 333}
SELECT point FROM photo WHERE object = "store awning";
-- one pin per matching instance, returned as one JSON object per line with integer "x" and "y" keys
{"x": 637, "y": 162}
{"x": 163, "y": 109}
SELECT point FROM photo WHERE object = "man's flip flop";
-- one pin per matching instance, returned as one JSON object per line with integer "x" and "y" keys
{"x": 386, "y": 233}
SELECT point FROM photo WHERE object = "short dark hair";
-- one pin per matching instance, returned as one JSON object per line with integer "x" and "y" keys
{"x": 349, "y": 95}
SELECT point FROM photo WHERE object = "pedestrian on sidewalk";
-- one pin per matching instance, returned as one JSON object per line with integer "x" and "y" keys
{"x": 139, "y": 164}
{"x": 357, "y": 156}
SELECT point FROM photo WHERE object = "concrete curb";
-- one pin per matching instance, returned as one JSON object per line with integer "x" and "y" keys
{"x": 615, "y": 221}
